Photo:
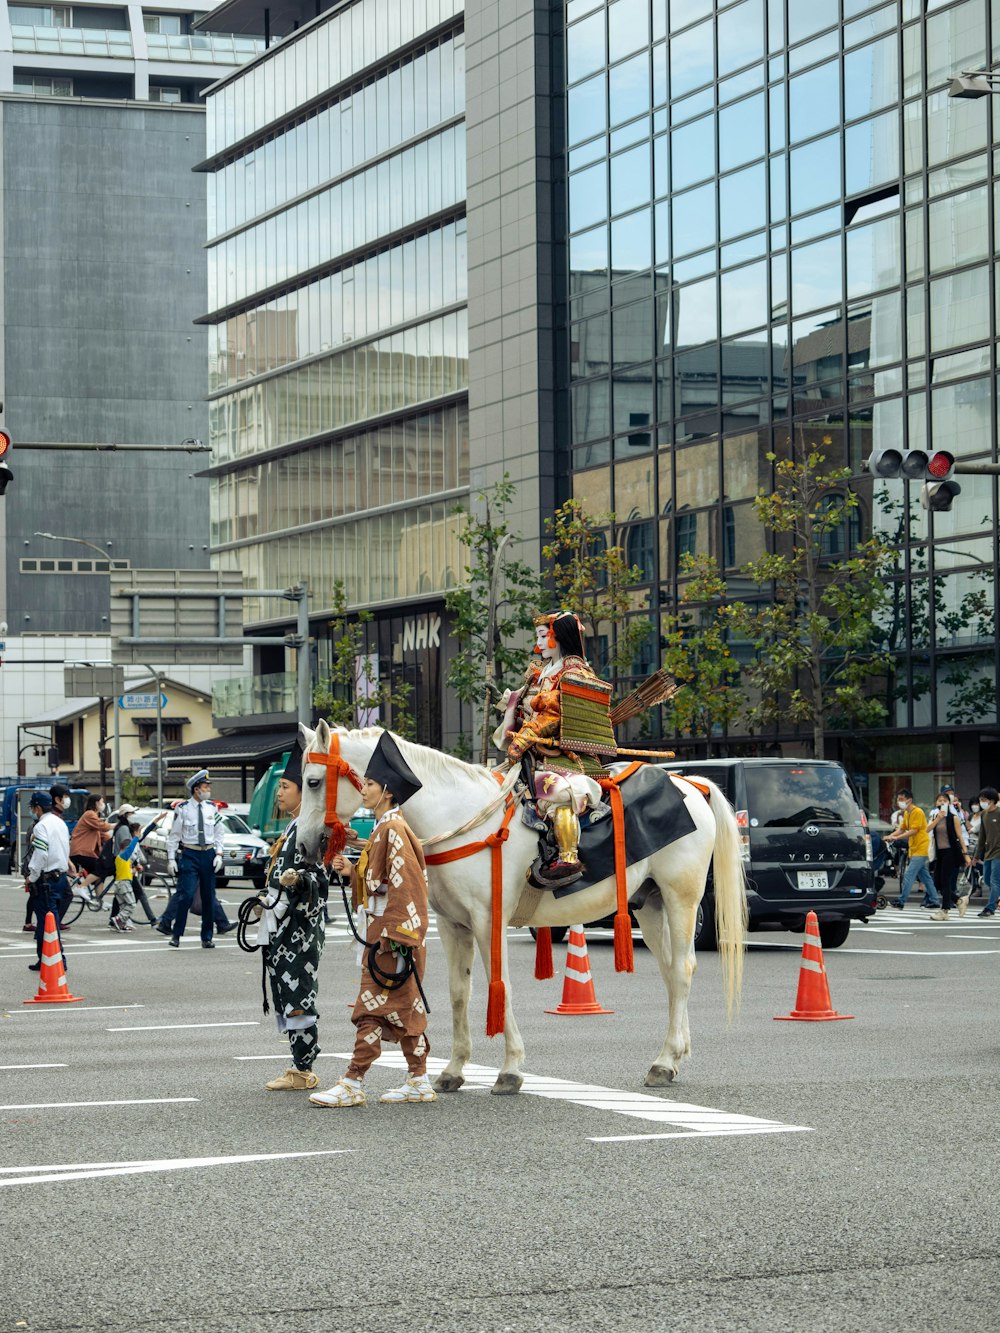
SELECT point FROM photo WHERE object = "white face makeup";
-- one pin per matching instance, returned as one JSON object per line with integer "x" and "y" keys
{"x": 542, "y": 641}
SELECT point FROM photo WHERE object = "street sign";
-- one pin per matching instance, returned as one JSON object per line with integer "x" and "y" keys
{"x": 146, "y": 768}
{"x": 141, "y": 701}
{"x": 191, "y": 616}
{"x": 93, "y": 682}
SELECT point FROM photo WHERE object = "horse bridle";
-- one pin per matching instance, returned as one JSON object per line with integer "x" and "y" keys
{"x": 337, "y": 767}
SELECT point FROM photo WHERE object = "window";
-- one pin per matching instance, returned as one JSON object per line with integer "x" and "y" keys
{"x": 168, "y": 25}
{"x": 165, "y": 95}
{"x": 685, "y": 535}
{"x": 171, "y": 727}
{"x": 41, "y": 16}
{"x": 40, "y": 85}
{"x": 639, "y": 550}
{"x": 27, "y": 566}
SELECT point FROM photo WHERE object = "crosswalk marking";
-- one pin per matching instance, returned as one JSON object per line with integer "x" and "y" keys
{"x": 43, "y": 1175}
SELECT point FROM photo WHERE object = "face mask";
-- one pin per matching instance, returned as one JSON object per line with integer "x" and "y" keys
{"x": 901, "y": 804}
{"x": 975, "y": 809}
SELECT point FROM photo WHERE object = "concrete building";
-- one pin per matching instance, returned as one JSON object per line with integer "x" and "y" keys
{"x": 695, "y": 233}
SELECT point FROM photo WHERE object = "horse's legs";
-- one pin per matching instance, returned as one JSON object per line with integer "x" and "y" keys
{"x": 668, "y": 929}
{"x": 510, "y": 1078}
{"x": 458, "y": 948}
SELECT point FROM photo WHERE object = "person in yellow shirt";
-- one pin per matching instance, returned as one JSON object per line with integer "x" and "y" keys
{"x": 912, "y": 830}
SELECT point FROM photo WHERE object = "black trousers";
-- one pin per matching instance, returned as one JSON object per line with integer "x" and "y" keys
{"x": 947, "y": 863}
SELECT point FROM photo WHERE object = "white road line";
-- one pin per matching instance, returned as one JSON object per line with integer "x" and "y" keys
{"x": 101, "y": 1170}
{"x": 34, "y": 1066}
{"x": 699, "y": 1120}
{"x": 69, "y": 1009}
{"x": 701, "y": 1134}
{"x": 923, "y": 953}
{"x": 54, "y": 1106}
{"x": 169, "y": 1027}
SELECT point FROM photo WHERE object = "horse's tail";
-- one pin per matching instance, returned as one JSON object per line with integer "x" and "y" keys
{"x": 730, "y": 897}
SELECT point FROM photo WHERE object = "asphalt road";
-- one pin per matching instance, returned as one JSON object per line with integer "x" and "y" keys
{"x": 859, "y": 1192}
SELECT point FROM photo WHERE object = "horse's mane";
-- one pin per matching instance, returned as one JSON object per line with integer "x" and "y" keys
{"x": 435, "y": 763}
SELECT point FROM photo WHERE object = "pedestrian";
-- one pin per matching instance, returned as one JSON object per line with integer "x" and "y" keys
{"x": 987, "y": 848}
{"x": 912, "y": 830}
{"x": 89, "y": 834}
{"x": 128, "y": 876}
{"x": 290, "y": 934}
{"x": 165, "y": 924}
{"x": 390, "y": 881}
{"x": 950, "y": 854}
{"x": 48, "y": 863}
{"x": 194, "y": 855}
{"x": 62, "y": 799}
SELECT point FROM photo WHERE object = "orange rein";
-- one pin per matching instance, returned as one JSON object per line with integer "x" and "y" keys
{"x": 624, "y": 961}
{"x": 337, "y": 768}
{"x": 496, "y": 1003}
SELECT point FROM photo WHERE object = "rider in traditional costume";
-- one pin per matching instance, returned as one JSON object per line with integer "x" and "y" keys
{"x": 390, "y": 883}
{"x": 558, "y": 720}
{"x": 291, "y": 935}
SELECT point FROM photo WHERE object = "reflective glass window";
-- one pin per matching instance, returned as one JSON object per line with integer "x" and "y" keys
{"x": 589, "y": 250}
{"x": 873, "y": 260}
{"x": 741, "y": 132}
{"x": 683, "y": 12}
{"x": 630, "y": 328}
{"x": 814, "y": 102}
{"x": 956, "y": 40}
{"x": 816, "y": 274}
{"x": 692, "y": 59}
{"x": 628, "y": 89}
{"x": 585, "y": 47}
{"x": 590, "y": 411}
{"x": 631, "y": 242}
{"x": 588, "y": 202}
{"x": 694, "y": 219}
{"x": 628, "y": 27}
{"x": 630, "y": 179}
{"x": 696, "y": 318}
{"x": 743, "y": 201}
{"x": 871, "y": 153}
{"x": 587, "y": 113}
{"x": 805, "y": 19}
{"x": 871, "y": 78}
{"x": 958, "y": 229}
{"x": 815, "y": 170}
{"x": 692, "y": 150}
{"x": 777, "y": 136}
{"x": 741, "y": 36}
{"x": 661, "y": 166}
{"x": 961, "y": 413}
{"x": 959, "y": 311}
{"x": 743, "y": 298}
{"x": 633, "y": 405}
{"x": 955, "y": 127}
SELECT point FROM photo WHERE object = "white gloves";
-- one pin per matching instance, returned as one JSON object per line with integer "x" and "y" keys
{"x": 217, "y": 864}
{"x": 172, "y": 867}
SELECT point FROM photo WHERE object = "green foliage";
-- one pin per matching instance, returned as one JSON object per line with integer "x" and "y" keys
{"x": 698, "y": 656}
{"x": 519, "y": 593}
{"x": 135, "y": 792}
{"x": 817, "y": 648}
{"x": 593, "y": 578}
{"x": 336, "y": 697}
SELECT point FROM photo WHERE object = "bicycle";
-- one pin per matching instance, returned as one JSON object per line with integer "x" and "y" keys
{"x": 93, "y": 901}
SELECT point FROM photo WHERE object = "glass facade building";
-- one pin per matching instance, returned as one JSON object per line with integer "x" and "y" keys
{"x": 338, "y": 359}
{"x": 781, "y": 232}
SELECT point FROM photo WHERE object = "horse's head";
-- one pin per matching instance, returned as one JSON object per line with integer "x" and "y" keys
{"x": 331, "y": 781}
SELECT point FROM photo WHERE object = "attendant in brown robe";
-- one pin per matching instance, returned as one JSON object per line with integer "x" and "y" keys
{"x": 390, "y": 885}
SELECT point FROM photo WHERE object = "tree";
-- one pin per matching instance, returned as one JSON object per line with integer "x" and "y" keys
{"x": 816, "y": 647}
{"x": 519, "y": 594}
{"x": 698, "y": 656}
{"x": 592, "y": 577}
{"x": 337, "y": 696}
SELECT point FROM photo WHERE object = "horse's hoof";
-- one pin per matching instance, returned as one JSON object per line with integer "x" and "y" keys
{"x": 448, "y": 1082}
{"x": 507, "y": 1085}
{"x": 659, "y": 1077}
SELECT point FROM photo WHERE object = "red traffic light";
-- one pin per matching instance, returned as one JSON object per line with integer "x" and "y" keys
{"x": 940, "y": 464}
{"x": 5, "y": 442}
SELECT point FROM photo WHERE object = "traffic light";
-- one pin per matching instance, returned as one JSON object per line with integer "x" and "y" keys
{"x": 911, "y": 464}
{"x": 938, "y": 495}
{"x": 6, "y": 475}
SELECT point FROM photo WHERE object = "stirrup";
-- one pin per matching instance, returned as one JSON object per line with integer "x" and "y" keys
{"x": 413, "y": 1090}
{"x": 341, "y": 1094}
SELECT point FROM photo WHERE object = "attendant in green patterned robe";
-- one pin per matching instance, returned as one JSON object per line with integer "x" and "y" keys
{"x": 290, "y": 935}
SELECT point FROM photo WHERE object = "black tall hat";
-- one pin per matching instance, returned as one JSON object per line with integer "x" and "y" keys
{"x": 388, "y": 768}
{"x": 293, "y": 769}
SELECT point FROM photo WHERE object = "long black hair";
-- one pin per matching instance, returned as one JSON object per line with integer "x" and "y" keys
{"x": 566, "y": 630}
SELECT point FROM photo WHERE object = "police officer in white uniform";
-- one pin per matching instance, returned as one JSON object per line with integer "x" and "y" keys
{"x": 47, "y": 866}
{"x": 194, "y": 855}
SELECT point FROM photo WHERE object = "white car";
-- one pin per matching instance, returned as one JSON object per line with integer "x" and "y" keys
{"x": 244, "y": 853}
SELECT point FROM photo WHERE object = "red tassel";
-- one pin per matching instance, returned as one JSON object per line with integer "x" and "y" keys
{"x": 496, "y": 1006}
{"x": 543, "y": 954}
{"x": 624, "y": 959}
{"x": 336, "y": 840}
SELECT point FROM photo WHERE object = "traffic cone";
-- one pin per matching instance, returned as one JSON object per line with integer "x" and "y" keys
{"x": 52, "y": 987}
{"x": 812, "y": 1003}
{"x": 578, "y": 987}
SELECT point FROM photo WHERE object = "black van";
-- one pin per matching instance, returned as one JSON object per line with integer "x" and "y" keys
{"x": 805, "y": 843}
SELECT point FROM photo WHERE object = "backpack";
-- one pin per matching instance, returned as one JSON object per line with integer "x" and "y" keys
{"x": 106, "y": 858}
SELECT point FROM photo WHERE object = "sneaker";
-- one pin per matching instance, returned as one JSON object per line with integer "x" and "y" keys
{"x": 898, "y": 904}
{"x": 128, "y": 924}
{"x": 293, "y": 1080}
{"x": 940, "y": 915}
{"x": 26, "y": 926}
{"x": 345, "y": 1092}
{"x": 117, "y": 923}
{"x": 963, "y": 904}
{"x": 413, "y": 1090}
{"x": 174, "y": 942}
{"x": 986, "y": 912}
{"x": 210, "y": 944}
{"x": 163, "y": 929}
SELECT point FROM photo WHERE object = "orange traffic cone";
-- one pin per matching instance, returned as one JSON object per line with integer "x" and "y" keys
{"x": 812, "y": 1003}
{"x": 52, "y": 987}
{"x": 578, "y": 987}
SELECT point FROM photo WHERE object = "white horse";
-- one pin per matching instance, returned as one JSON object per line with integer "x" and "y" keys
{"x": 664, "y": 889}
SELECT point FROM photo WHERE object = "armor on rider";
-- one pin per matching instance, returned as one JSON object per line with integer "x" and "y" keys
{"x": 559, "y": 721}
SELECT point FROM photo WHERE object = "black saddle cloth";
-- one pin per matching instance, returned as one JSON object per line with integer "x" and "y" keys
{"x": 655, "y": 816}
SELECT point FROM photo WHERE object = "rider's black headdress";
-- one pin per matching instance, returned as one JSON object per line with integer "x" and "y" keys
{"x": 388, "y": 768}
{"x": 293, "y": 769}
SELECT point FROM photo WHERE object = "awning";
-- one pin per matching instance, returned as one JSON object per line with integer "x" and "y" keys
{"x": 242, "y": 748}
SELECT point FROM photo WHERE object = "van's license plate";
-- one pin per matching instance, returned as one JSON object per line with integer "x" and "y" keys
{"x": 238, "y": 870}
{"x": 811, "y": 880}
